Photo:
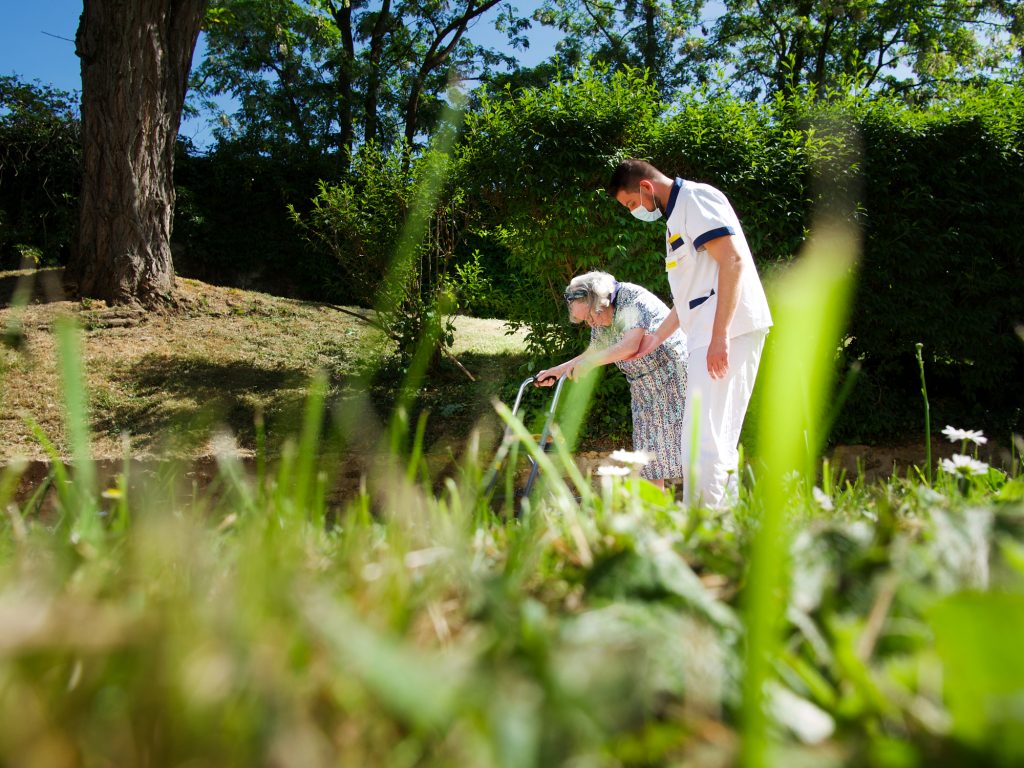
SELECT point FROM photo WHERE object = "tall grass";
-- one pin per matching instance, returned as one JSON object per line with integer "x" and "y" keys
{"x": 256, "y": 623}
{"x": 412, "y": 623}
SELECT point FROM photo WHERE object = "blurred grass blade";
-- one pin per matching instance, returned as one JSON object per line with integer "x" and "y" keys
{"x": 810, "y": 302}
{"x": 76, "y": 415}
{"x": 417, "y": 464}
{"x": 309, "y": 442}
{"x": 978, "y": 638}
{"x": 421, "y": 691}
{"x": 65, "y": 489}
{"x": 551, "y": 478}
{"x": 9, "y": 479}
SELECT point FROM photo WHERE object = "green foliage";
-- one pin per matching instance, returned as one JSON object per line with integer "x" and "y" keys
{"x": 667, "y": 38}
{"x": 942, "y": 261}
{"x": 393, "y": 233}
{"x": 323, "y": 77}
{"x": 232, "y": 224}
{"x": 780, "y": 46}
{"x": 537, "y": 163}
{"x": 272, "y": 57}
{"x": 40, "y": 172}
{"x": 932, "y": 190}
{"x": 358, "y": 221}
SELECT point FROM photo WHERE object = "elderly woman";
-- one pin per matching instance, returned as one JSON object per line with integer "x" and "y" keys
{"x": 619, "y": 316}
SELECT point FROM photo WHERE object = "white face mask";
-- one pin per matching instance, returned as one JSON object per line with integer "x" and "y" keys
{"x": 640, "y": 212}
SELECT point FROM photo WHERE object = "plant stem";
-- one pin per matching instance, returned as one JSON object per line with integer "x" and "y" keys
{"x": 927, "y": 417}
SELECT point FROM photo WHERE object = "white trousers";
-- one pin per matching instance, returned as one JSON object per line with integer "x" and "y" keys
{"x": 715, "y": 409}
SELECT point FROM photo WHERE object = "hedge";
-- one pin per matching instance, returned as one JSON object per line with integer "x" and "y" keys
{"x": 935, "y": 191}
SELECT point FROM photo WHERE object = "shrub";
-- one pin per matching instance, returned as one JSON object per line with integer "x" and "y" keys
{"x": 392, "y": 230}
{"x": 40, "y": 172}
{"x": 232, "y": 226}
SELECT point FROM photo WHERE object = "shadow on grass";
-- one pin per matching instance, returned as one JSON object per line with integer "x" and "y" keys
{"x": 35, "y": 286}
{"x": 176, "y": 402}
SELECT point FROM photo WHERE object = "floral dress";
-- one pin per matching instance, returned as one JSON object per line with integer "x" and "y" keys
{"x": 657, "y": 382}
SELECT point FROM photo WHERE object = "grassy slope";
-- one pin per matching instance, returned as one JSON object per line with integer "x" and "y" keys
{"x": 171, "y": 380}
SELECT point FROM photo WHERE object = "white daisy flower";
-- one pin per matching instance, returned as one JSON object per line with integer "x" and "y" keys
{"x": 607, "y": 470}
{"x": 963, "y": 465}
{"x": 823, "y": 500}
{"x": 960, "y": 435}
{"x": 633, "y": 458}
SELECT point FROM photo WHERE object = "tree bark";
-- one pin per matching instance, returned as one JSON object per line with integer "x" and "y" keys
{"x": 342, "y": 16}
{"x": 436, "y": 56}
{"x": 380, "y": 28}
{"x": 135, "y": 57}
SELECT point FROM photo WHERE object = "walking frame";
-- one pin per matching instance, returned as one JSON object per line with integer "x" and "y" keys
{"x": 508, "y": 439}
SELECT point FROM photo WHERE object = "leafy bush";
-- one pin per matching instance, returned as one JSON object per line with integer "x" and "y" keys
{"x": 40, "y": 172}
{"x": 393, "y": 231}
{"x": 358, "y": 221}
{"x": 536, "y": 163}
{"x": 232, "y": 226}
{"x": 943, "y": 262}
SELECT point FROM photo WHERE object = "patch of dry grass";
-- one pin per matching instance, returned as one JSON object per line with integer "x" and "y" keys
{"x": 168, "y": 382}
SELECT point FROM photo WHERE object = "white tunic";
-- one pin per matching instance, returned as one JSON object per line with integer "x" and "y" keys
{"x": 695, "y": 214}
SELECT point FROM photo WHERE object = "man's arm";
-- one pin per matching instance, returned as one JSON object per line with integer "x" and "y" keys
{"x": 730, "y": 269}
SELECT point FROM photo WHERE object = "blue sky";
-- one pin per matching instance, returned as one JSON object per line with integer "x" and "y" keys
{"x": 31, "y": 46}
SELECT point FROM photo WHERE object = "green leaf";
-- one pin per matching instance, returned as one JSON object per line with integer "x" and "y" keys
{"x": 978, "y": 638}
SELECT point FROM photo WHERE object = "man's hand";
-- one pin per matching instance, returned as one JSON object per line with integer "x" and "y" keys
{"x": 718, "y": 357}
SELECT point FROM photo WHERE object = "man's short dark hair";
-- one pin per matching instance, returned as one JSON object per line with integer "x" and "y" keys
{"x": 628, "y": 175}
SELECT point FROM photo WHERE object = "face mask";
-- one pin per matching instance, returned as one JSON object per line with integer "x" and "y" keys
{"x": 642, "y": 213}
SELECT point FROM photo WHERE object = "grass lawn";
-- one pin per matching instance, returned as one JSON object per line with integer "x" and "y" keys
{"x": 262, "y": 619}
{"x": 172, "y": 383}
{"x": 168, "y": 381}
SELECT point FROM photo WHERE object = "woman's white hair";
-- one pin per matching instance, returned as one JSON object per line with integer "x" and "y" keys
{"x": 596, "y": 288}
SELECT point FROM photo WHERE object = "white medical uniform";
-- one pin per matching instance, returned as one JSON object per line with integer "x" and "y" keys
{"x": 696, "y": 214}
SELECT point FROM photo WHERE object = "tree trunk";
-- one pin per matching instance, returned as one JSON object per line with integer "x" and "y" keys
{"x": 437, "y": 55}
{"x": 136, "y": 56}
{"x": 380, "y": 28}
{"x": 342, "y": 15}
{"x": 652, "y": 61}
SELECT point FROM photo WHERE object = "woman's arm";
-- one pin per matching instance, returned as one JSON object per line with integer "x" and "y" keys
{"x": 623, "y": 349}
{"x": 651, "y": 342}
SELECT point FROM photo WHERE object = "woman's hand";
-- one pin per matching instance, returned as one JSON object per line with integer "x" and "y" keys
{"x": 548, "y": 376}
